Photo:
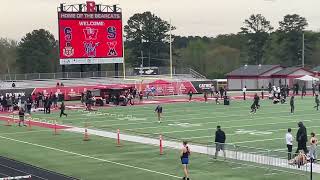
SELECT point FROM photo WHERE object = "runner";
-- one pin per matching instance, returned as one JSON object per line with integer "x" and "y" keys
{"x": 190, "y": 95}
{"x": 317, "y": 102}
{"x": 21, "y": 117}
{"x": 292, "y": 104}
{"x": 205, "y": 95}
{"x": 62, "y": 108}
{"x": 158, "y": 110}
{"x": 185, "y": 153}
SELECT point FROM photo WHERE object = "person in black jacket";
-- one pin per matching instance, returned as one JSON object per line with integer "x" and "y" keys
{"x": 220, "y": 140}
{"x": 302, "y": 138}
{"x": 292, "y": 104}
{"x": 317, "y": 102}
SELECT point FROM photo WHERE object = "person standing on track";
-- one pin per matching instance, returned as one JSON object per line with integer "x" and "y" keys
{"x": 158, "y": 110}
{"x": 184, "y": 156}
{"x": 302, "y": 138}
{"x": 21, "y": 117}
{"x": 262, "y": 92}
{"x": 220, "y": 140}
{"x": 205, "y": 96}
{"x": 292, "y": 104}
{"x": 190, "y": 95}
{"x": 289, "y": 140}
{"x": 244, "y": 91}
{"x": 313, "y": 146}
{"x": 317, "y": 102}
{"x": 62, "y": 109}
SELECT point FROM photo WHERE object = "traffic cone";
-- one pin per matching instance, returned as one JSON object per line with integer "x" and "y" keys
{"x": 161, "y": 145}
{"x": 86, "y": 135}
{"x": 118, "y": 138}
{"x": 55, "y": 128}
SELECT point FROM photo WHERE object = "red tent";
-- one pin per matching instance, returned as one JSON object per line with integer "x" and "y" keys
{"x": 159, "y": 82}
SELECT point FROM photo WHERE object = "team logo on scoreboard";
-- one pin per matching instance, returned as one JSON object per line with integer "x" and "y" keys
{"x": 112, "y": 32}
{"x": 90, "y": 49}
{"x": 68, "y": 34}
{"x": 68, "y": 51}
{"x": 90, "y": 33}
{"x": 112, "y": 48}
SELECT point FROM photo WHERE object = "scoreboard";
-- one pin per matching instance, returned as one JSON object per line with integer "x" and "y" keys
{"x": 90, "y": 37}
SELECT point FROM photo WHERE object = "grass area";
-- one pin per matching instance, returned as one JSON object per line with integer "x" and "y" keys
{"x": 195, "y": 121}
{"x": 101, "y": 159}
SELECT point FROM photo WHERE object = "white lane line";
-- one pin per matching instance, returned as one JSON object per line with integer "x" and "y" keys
{"x": 21, "y": 171}
{"x": 26, "y": 132}
{"x": 152, "y": 121}
{"x": 90, "y": 157}
{"x": 259, "y": 140}
{"x": 250, "y": 125}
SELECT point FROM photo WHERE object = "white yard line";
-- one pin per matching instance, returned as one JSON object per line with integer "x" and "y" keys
{"x": 259, "y": 140}
{"x": 26, "y": 132}
{"x": 152, "y": 120}
{"x": 89, "y": 157}
{"x": 229, "y": 127}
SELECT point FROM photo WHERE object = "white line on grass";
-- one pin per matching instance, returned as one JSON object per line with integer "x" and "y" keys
{"x": 26, "y": 132}
{"x": 151, "y": 121}
{"x": 180, "y": 114}
{"x": 259, "y": 140}
{"x": 18, "y": 170}
{"x": 90, "y": 157}
{"x": 212, "y": 122}
{"x": 250, "y": 125}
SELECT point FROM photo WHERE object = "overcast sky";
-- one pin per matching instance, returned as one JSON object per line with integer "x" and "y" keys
{"x": 209, "y": 17}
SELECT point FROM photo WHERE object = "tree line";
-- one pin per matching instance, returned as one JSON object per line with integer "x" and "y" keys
{"x": 147, "y": 42}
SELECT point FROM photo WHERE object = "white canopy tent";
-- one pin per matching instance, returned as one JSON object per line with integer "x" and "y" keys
{"x": 307, "y": 78}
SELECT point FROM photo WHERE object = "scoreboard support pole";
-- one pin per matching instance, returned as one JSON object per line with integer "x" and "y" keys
{"x": 63, "y": 69}
{"x": 116, "y": 70}
{"x": 99, "y": 70}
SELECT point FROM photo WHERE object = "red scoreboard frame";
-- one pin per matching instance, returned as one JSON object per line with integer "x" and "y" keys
{"x": 90, "y": 37}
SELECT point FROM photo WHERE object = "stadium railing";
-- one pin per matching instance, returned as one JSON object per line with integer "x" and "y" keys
{"x": 266, "y": 158}
{"x": 91, "y": 74}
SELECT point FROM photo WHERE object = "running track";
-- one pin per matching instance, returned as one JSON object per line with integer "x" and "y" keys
{"x": 12, "y": 168}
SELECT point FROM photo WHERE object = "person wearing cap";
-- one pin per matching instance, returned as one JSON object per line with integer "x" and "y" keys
{"x": 302, "y": 138}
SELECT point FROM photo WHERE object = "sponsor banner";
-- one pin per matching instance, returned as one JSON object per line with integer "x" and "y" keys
{"x": 146, "y": 71}
{"x": 91, "y": 60}
{"x": 202, "y": 86}
{"x": 69, "y": 92}
{"x": 163, "y": 88}
{"x": 24, "y": 93}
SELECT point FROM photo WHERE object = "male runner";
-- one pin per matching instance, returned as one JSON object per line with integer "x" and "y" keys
{"x": 292, "y": 104}
{"x": 158, "y": 110}
{"x": 62, "y": 108}
{"x": 190, "y": 95}
{"x": 317, "y": 102}
{"x": 21, "y": 117}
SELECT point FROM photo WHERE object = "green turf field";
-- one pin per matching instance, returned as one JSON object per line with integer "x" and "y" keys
{"x": 101, "y": 159}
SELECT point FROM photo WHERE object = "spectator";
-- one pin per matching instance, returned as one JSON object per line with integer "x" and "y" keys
{"x": 313, "y": 146}
{"x": 302, "y": 138}
{"x": 289, "y": 140}
{"x": 220, "y": 140}
{"x": 244, "y": 91}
